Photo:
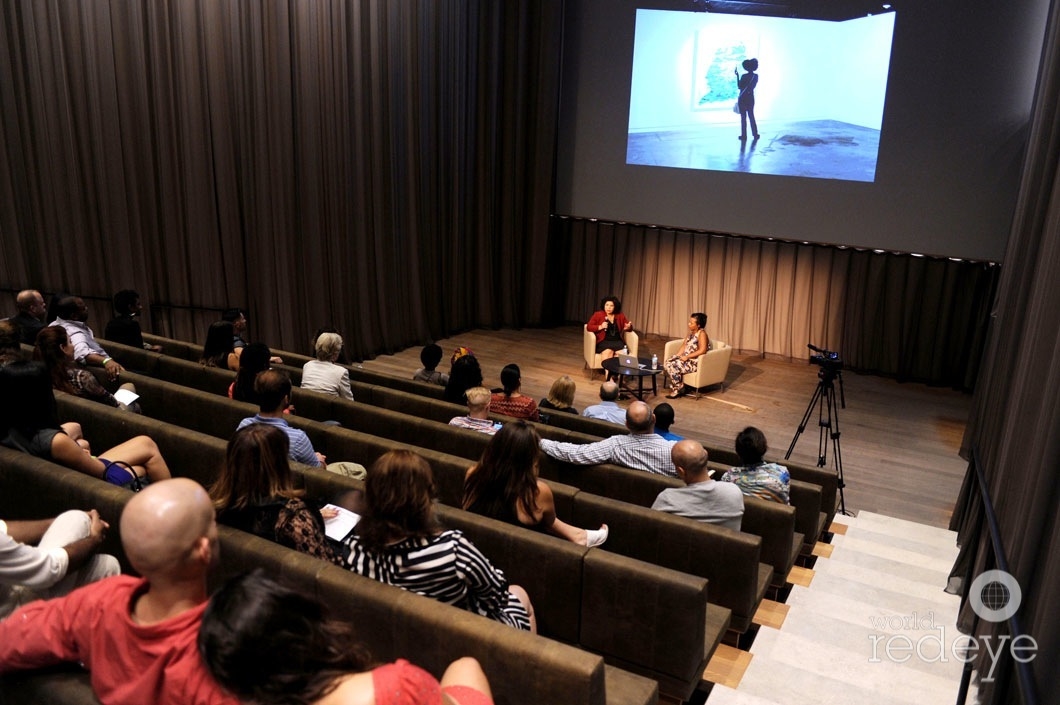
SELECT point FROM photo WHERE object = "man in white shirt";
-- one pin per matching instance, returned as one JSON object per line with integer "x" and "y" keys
{"x": 47, "y": 558}
{"x": 71, "y": 313}
{"x": 642, "y": 449}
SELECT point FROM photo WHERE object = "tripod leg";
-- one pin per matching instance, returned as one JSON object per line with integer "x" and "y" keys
{"x": 805, "y": 418}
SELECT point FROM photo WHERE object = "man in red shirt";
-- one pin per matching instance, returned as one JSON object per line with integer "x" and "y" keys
{"x": 136, "y": 636}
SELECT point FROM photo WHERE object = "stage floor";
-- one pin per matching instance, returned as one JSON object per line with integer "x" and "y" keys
{"x": 899, "y": 441}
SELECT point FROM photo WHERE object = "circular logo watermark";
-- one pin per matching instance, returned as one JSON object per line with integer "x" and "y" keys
{"x": 995, "y": 595}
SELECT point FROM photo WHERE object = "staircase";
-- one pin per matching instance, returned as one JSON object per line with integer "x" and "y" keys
{"x": 870, "y": 625}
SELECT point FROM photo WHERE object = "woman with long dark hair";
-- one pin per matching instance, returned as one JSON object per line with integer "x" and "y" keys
{"x": 219, "y": 350}
{"x": 271, "y": 645}
{"x": 54, "y": 349}
{"x": 254, "y": 359}
{"x": 31, "y": 425}
{"x": 399, "y": 542}
{"x": 509, "y": 401}
{"x": 504, "y": 485}
{"x": 255, "y": 492}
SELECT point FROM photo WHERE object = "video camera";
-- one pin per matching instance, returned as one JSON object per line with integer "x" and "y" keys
{"x": 828, "y": 360}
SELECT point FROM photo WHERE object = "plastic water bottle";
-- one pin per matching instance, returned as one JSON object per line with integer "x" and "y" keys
{"x": 654, "y": 361}
{"x": 625, "y": 350}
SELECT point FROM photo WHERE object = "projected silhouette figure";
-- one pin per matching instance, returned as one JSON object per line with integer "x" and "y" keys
{"x": 746, "y": 101}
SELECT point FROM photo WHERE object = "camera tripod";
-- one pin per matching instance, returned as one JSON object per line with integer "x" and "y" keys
{"x": 828, "y": 421}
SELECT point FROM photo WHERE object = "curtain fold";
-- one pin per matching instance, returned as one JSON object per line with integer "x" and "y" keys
{"x": 1016, "y": 408}
{"x": 384, "y": 168}
{"x": 912, "y": 317}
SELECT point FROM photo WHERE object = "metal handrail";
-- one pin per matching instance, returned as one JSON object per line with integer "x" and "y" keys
{"x": 1023, "y": 671}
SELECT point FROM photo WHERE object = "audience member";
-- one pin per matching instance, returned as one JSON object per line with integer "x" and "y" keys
{"x": 642, "y": 449}
{"x": 45, "y": 558}
{"x": 53, "y": 348}
{"x": 464, "y": 374}
{"x": 430, "y": 356}
{"x": 30, "y": 317}
{"x": 71, "y": 314}
{"x": 273, "y": 388}
{"x": 756, "y": 477}
{"x": 32, "y": 426}
{"x": 344, "y": 357}
{"x": 271, "y": 645}
{"x": 509, "y": 401}
{"x": 478, "y": 408}
{"x": 664, "y": 417}
{"x": 399, "y": 542}
{"x": 217, "y": 351}
{"x": 254, "y": 359}
{"x": 10, "y": 342}
{"x": 702, "y": 498}
{"x": 323, "y": 374}
{"x": 560, "y": 396}
{"x": 136, "y": 636}
{"x": 124, "y": 328}
{"x": 608, "y": 408}
{"x": 255, "y": 492}
{"x": 238, "y": 318}
{"x": 504, "y": 485}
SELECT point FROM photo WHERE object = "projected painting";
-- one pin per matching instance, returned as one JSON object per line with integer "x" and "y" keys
{"x": 762, "y": 95}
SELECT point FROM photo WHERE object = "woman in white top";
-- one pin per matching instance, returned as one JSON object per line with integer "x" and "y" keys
{"x": 323, "y": 374}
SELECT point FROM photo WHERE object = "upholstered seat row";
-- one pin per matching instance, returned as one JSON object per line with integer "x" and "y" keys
{"x": 526, "y": 669}
{"x": 674, "y": 652}
{"x": 167, "y": 402}
{"x": 729, "y": 559}
{"x": 418, "y": 399}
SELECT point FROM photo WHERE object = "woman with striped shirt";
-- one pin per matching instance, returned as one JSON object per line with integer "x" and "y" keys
{"x": 398, "y": 542}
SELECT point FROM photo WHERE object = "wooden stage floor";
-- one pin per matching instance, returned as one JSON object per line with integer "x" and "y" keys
{"x": 899, "y": 441}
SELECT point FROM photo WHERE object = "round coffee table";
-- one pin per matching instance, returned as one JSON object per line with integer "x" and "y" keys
{"x": 644, "y": 370}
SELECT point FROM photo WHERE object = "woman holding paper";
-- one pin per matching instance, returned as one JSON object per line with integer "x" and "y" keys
{"x": 255, "y": 492}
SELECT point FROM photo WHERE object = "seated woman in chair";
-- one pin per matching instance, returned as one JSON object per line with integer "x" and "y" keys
{"x": 255, "y": 492}
{"x": 398, "y": 541}
{"x": 504, "y": 486}
{"x": 609, "y": 325}
{"x": 29, "y": 422}
{"x": 697, "y": 343}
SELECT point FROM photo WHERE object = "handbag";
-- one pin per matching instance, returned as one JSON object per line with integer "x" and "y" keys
{"x": 736, "y": 107}
{"x": 121, "y": 474}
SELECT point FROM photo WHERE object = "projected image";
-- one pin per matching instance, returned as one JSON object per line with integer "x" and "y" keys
{"x": 762, "y": 95}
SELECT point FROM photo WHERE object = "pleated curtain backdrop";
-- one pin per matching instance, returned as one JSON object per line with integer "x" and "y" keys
{"x": 381, "y": 167}
{"x": 916, "y": 318}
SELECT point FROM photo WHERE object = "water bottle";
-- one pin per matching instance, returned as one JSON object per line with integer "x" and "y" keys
{"x": 624, "y": 350}
{"x": 654, "y": 361}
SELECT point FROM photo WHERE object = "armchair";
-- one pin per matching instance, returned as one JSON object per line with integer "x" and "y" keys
{"x": 592, "y": 358}
{"x": 712, "y": 367}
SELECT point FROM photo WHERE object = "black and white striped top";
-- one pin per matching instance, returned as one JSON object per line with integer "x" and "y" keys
{"x": 446, "y": 567}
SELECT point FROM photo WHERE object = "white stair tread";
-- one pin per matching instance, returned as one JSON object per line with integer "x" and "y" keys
{"x": 904, "y": 528}
{"x": 803, "y": 671}
{"x": 917, "y": 567}
{"x": 858, "y": 603}
{"x": 932, "y": 591}
{"x": 895, "y": 548}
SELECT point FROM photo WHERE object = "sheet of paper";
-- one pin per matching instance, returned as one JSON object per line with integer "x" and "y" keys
{"x": 124, "y": 396}
{"x": 339, "y": 526}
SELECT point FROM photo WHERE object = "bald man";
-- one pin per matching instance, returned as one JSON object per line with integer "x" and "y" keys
{"x": 642, "y": 449}
{"x": 608, "y": 408}
{"x": 30, "y": 316}
{"x": 701, "y": 498}
{"x": 137, "y": 636}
